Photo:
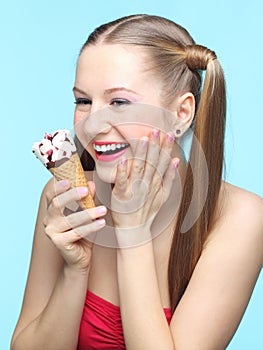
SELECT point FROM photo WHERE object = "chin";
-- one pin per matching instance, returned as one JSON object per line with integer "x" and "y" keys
{"x": 106, "y": 173}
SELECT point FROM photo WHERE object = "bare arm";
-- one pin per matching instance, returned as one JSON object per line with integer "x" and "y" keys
{"x": 216, "y": 297}
{"x": 143, "y": 319}
{"x": 224, "y": 277}
{"x": 144, "y": 322}
{"x": 57, "y": 280}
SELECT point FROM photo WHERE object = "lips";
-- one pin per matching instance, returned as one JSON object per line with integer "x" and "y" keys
{"x": 109, "y": 151}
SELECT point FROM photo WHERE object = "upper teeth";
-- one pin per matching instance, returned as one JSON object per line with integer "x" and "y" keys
{"x": 112, "y": 147}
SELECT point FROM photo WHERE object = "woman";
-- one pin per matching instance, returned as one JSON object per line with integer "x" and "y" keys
{"x": 161, "y": 281}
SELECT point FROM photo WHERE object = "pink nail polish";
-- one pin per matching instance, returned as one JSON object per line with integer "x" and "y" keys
{"x": 82, "y": 191}
{"x": 170, "y": 137}
{"x": 64, "y": 183}
{"x": 156, "y": 134}
{"x": 123, "y": 161}
{"x": 145, "y": 141}
{"x": 176, "y": 163}
{"x": 101, "y": 210}
{"x": 100, "y": 222}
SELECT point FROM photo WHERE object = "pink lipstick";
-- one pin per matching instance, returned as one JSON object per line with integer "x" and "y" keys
{"x": 109, "y": 151}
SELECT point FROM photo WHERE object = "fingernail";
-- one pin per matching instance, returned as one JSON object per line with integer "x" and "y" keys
{"x": 170, "y": 137}
{"x": 156, "y": 133}
{"x": 101, "y": 210}
{"x": 175, "y": 163}
{"x": 100, "y": 222}
{"x": 144, "y": 141}
{"x": 123, "y": 161}
{"x": 82, "y": 190}
{"x": 64, "y": 183}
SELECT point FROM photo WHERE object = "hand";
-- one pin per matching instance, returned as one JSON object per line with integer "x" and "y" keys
{"x": 67, "y": 232}
{"x": 138, "y": 195}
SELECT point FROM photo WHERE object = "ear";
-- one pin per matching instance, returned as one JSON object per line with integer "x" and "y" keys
{"x": 184, "y": 110}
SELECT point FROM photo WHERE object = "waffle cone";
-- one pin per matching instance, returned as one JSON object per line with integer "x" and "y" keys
{"x": 72, "y": 171}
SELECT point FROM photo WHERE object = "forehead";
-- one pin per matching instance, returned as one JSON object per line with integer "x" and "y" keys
{"x": 112, "y": 62}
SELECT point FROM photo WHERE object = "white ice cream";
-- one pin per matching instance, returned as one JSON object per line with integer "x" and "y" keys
{"x": 54, "y": 147}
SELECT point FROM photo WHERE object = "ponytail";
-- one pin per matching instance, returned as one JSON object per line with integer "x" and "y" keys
{"x": 203, "y": 179}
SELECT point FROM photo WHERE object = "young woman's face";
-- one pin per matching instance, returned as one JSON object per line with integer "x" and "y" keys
{"x": 117, "y": 102}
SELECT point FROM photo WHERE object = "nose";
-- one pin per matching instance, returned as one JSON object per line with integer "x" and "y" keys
{"x": 99, "y": 121}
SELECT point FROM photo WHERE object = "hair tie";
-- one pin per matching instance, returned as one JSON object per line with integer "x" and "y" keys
{"x": 198, "y": 56}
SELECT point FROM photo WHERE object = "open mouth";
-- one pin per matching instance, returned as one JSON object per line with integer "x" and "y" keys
{"x": 109, "y": 151}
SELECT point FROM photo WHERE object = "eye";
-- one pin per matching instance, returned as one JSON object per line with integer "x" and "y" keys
{"x": 119, "y": 102}
{"x": 82, "y": 101}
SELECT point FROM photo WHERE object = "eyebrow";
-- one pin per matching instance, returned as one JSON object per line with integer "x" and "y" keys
{"x": 108, "y": 91}
{"x": 75, "y": 89}
{"x": 121, "y": 88}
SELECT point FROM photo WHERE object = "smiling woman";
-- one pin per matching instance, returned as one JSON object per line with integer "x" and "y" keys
{"x": 174, "y": 263}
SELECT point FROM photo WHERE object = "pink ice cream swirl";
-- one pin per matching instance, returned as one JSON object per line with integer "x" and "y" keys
{"x": 54, "y": 149}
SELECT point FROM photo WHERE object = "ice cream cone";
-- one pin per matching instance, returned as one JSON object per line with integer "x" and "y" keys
{"x": 72, "y": 171}
{"x": 59, "y": 155}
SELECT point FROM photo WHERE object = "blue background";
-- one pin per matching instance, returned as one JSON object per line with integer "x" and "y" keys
{"x": 39, "y": 47}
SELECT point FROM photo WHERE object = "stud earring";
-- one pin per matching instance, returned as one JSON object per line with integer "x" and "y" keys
{"x": 178, "y": 131}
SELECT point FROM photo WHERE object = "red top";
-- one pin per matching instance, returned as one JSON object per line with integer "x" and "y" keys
{"x": 101, "y": 326}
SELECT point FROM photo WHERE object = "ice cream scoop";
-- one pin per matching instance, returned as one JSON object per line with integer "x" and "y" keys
{"x": 53, "y": 148}
{"x": 59, "y": 155}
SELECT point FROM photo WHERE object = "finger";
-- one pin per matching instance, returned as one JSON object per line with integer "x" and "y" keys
{"x": 92, "y": 188}
{"x": 69, "y": 197}
{"x": 152, "y": 156}
{"x": 80, "y": 218}
{"x": 165, "y": 154}
{"x": 63, "y": 239}
{"x": 85, "y": 231}
{"x": 58, "y": 188}
{"x": 121, "y": 177}
{"x": 169, "y": 177}
{"x": 138, "y": 163}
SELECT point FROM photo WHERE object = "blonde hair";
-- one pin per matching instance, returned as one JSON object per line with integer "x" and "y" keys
{"x": 178, "y": 62}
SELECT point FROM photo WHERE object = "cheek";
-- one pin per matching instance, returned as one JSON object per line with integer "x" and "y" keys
{"x": 135, "y": 132}
{"x": 78, "y": 117}
{"x": 79, "y": 120}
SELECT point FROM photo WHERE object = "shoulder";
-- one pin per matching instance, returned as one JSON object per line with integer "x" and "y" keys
{"x": 48, "y": 186}
{"x": 239, "y": 220}
{"x": 225, "y": 274}
{"x": 240, "y": 205}
{"x": 236, "y": 193}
